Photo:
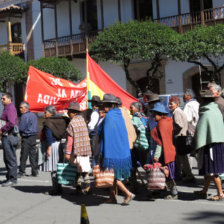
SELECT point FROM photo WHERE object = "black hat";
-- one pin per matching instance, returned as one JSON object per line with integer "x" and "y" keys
{"x": 74, "y": 106}
{"x": 109, "y": 98}
{"x": 95, "y": 99}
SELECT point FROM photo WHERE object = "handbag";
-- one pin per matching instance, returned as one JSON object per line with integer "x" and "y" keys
{"x": 103, "y": 178}
{"x": 66, "y": 173}
{"x": 156, "y": 178}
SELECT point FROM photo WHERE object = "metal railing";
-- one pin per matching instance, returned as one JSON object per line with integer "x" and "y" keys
{"x": 12, "y": 48}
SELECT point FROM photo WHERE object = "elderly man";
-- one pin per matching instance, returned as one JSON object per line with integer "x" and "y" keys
{"x": 216, "y": 93}
{"x": 28, "y": 128}
{"x": 9, "y": 139}
{"x": 191, "y": 110}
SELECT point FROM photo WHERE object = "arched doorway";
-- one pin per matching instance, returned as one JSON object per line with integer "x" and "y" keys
{"x": 198, "y": 84}
{"x": 154, "y": 85}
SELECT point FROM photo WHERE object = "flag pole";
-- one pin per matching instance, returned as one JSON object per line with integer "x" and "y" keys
{"x": 87, "y": 73}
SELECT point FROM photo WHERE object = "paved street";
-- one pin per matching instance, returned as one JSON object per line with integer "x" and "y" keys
{"x": 26, "y": 203}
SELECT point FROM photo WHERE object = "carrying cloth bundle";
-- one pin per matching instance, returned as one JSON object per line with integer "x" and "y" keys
{"x": 156, "y": 176}
{"x": 103, "y": 178}
{"x": 66, "y": 173}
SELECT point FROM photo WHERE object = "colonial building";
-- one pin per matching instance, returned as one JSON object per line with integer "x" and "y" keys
{"x": 46, "y": 28}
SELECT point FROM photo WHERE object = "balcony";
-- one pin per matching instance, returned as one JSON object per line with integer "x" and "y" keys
{"x": 12, "y": 48}
{"x": 188, "y": 21}
{"x": 74, "y": 45}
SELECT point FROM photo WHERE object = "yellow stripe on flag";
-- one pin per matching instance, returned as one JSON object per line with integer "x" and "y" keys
{"x": 95, "y": 90}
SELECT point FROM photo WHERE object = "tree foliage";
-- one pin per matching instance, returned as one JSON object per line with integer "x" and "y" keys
{"x": 59, "y": 67}
{"x": 202, "y": 43}
{"x": 134, "y": 40}
{"x": 13, "y": 69}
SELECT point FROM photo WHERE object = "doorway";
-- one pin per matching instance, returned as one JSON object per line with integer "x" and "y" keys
{"x": 196, "y": 7}
{"x": 143, "y": 9}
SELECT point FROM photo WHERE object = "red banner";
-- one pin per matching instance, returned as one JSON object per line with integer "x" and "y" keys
{"x": 44, "y": 89}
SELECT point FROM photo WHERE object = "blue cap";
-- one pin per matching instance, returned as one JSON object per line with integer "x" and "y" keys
{"x": 159, "y": 107}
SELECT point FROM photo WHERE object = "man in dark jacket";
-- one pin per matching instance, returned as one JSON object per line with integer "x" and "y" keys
{"x": 9, "y": 139}
{"x": 28, "y": 128}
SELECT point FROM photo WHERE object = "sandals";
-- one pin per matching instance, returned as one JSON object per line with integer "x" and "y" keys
{"x": 217, "y": 198}
{"x": 128, "y": 199}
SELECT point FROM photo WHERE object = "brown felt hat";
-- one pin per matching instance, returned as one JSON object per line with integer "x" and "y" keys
{"x": 153, "y": 98}
{"x": 74, "y": 106}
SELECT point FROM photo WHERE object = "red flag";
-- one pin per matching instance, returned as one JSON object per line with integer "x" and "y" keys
{"x": 44, "y": 89}
{"x": 101, "y": 83}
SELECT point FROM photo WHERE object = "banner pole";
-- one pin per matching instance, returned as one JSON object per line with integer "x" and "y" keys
{"x": 87, "y": 73}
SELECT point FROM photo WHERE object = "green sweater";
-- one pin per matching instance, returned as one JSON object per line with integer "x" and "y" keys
{"x": 210, "y": 127}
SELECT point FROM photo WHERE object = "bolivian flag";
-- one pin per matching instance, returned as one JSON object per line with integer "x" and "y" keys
{"x": 99, "y": 83}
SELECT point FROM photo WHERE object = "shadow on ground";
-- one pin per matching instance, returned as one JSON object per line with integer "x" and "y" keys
{"x": 206, "y": 217}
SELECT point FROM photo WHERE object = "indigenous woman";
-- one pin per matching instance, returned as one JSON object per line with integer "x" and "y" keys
{"x": 54, "y": 128}
{"x": 141, "y": 146}
{"x": 180, "y": 127}
{"x": 165, "y": 150}
{"x": 114, "y": 148}
{"x": 210, "y": 144}
{"x": 78, "y": 150}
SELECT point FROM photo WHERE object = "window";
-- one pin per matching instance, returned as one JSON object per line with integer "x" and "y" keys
{"x": 88, "y": 15}
{"x": 143, "y": 9}
{"x": 195, "y": 5}
{"x": 16, "y": 33}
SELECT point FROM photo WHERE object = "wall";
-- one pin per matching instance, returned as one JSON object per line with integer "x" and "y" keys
{"x": 218, "y": 3}
{"x": 114, "y": 71}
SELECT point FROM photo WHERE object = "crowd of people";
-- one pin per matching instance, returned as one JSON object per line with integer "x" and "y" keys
{"x": 121, "y": 140}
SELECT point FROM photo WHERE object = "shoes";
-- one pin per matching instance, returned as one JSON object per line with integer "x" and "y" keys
{"x": 128, "y": 199}
{"x": 201, "y": 194}
{"x": 35, "y": 174}
{"x": 9, "y": 183}
{"x": 171, "y": 197}
{"x": 217, "y": 198}
{"x": 21, "y": 174}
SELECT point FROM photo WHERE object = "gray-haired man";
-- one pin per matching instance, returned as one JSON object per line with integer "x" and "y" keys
{"x": 28, "y": 128}
{"x": 216, "y": 93}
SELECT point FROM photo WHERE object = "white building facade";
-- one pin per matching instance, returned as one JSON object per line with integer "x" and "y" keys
{"x": 58, "y": 28}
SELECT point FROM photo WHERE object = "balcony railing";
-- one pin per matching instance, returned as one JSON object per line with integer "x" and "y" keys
{"x": 187, "y": 21}
{"x": 12, "y": 48}
{"x": 68, "y": 45}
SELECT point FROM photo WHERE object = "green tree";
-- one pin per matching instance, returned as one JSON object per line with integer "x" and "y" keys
{"x": 59, "y": 67}
{"x": 135, "y": 40}
{"x": 202, "y": 43}
{"x": 13, "y": 69}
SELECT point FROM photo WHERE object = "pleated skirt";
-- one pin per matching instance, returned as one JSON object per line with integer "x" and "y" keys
{"x": 213, "y": 159}
{"x": 50, "y": 164}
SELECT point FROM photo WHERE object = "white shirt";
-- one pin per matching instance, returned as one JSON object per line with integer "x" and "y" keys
{"x": 191, "y": 109}
{"x": 93, "y": 120}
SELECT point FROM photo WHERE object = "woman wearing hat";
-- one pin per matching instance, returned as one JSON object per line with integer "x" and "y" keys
{"x": 78, "y": 150}
{"x": 165, "y": 150}
{"x": 141, "y": 146}
{"x": 114, "y": 148}
{"x": 209, "y": 141}
{"x": 54, "y": 129}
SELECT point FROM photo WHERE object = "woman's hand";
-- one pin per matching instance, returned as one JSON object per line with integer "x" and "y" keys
{"x": 67, "y": 157}
{"x": 155, "y": 160}
{"x": 48, "y": 151}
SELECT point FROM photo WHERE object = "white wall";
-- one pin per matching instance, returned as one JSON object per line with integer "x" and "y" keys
{"x": 37, "y": 36}
{"x": 3, "y": 33}
{"x": 127, "y": 10}
{"x": 114, "y": 71}
{"x": 110, "y": 12}
{"x": 218, "y": 3}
